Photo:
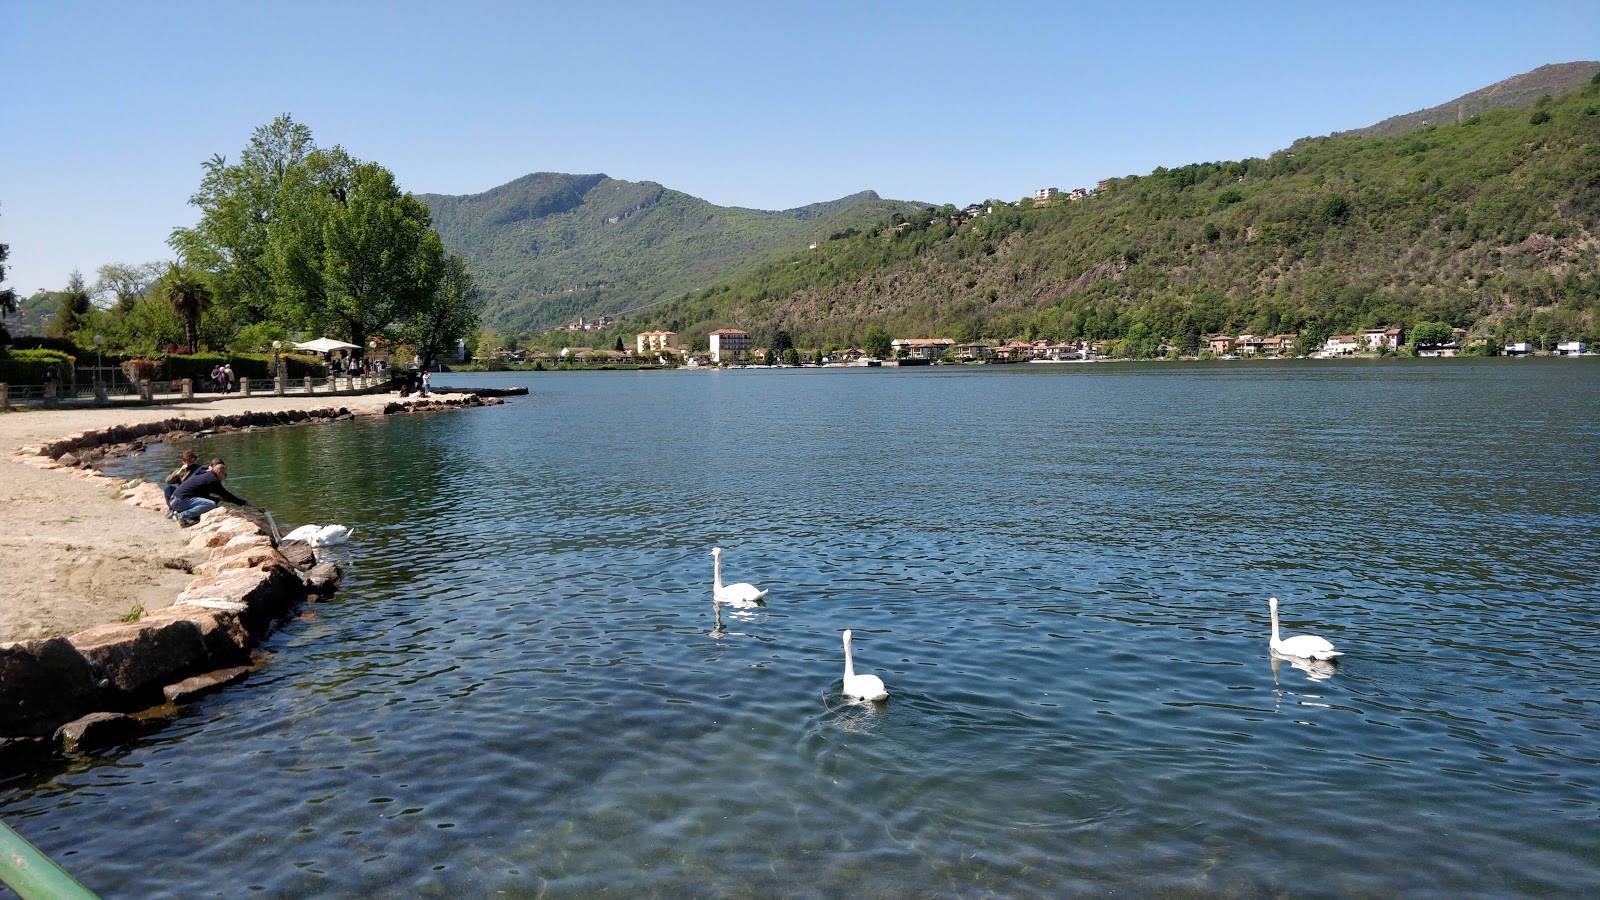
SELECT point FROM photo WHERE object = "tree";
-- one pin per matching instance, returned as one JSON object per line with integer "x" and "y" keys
{"x": 488, "y": 342}
{"x": 8, "y": 296}
{"x": 877, "y": 343}
{"x": 239, "y": 213}
{"x": 125, "y": 282}
{"x": 72, "y": 308}
{"x": 185, "y": 288}
{"x": 1431, "y": 334}
{"x": 451, "y": 316}
{"x": 353, "y": 255}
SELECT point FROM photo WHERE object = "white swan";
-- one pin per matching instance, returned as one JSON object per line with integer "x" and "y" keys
{"x": 741, "y": 594}
{"x": 1305, "y": 646}
{"x": 860, "y": 687}
{"x": 331, "y": 535}
{"x": 321, "y": 535}
{"x": 303, "y": 533}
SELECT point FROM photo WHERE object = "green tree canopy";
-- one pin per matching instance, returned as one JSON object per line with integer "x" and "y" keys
{"x": 877, "y": 343}
{"x": 187, "y": 291}
{"x": 72, "y": 308}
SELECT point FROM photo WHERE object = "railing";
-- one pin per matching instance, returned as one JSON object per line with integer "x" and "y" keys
{"x": 172, "y": 390}
{"x": 32, "y": 874}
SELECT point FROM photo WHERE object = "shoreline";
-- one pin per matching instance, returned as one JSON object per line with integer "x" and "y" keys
{"x": 76, "y": 554}
{"x": 110, "y": 607}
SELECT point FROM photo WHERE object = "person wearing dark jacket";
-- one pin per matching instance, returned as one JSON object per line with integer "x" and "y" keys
{"x": 179, "y": 475}
{"x": 201, "y": 492}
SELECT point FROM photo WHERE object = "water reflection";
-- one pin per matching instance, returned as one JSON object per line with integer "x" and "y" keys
{"x": 1315, "y": 669}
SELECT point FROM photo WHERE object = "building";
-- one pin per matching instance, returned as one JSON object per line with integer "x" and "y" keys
{"x": 1341, "y": 345}
{"x": 1383, "y": 338}
{"x": 656, "y": 341}
{"x": 729, "y": 344}
{"x": 1519, "y": 348}
{"x": 1571, "y": 348}
{"x": 1045, "y": 195}
{"x": 922, "y": 348}
{"x": 1221, "y": 344}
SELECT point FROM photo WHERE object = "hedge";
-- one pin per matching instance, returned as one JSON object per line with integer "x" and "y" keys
{"x": 27, "y": 366}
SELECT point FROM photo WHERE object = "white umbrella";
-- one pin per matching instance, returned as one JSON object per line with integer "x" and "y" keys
{"x": 326, "y": 345}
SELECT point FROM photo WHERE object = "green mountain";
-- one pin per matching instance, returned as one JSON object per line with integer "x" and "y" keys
{"x": 1492, "y": 224}
{"x": 548, "y": 248}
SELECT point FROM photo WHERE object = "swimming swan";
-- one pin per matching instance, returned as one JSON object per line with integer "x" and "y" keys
{"x": 321, "y": 535}
{"x": 860, "y": 687}
{"x": 1305, "y": 646}
{"x": 741, "y": 594}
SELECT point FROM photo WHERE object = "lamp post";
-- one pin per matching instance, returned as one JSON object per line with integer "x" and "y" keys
{"x": 277, "y": 368}
{"x": 99, "y": 379}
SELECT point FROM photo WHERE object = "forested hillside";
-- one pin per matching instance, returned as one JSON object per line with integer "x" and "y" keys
{"x": 1516, "y": 92}
{"x": 1490, "y": 225}
{"x": 548, "y": 248}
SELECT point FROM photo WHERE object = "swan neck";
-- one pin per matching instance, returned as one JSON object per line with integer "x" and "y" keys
{"x": 1274, "y": 608}
{"x": 849, "y": 664}
{"x": 716, "y": 571}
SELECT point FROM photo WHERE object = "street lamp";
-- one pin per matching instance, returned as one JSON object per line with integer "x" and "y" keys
{"x": 99, "y": 379}
{"x": 277, "y": 368}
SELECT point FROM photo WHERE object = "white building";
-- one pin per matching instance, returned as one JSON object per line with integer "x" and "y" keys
{"x": 729, "y": 344}
{"x": 1571, "y": 348}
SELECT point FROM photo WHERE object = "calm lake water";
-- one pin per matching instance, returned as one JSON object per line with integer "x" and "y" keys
{"x": 1061, "y": 573}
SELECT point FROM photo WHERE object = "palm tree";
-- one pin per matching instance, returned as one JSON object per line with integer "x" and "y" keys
{"x": 187, "y": 291}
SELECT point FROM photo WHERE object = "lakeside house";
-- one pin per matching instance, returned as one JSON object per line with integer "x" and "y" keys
{"x": 1340, "y": 345}
{"x": 1383, "y": 338}
{"x": 656, "y": 341}
{"x": 729, "y": 344}
{"x": 922, "y": 348}
{"x": 1571, "y": 348}
{"x": 1519, "y": 348}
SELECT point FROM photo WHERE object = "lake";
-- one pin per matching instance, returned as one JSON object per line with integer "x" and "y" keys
{"x": 1061, "y": 573}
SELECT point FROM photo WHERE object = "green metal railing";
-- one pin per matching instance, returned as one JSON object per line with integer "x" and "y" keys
{"x": 32, "y": 874}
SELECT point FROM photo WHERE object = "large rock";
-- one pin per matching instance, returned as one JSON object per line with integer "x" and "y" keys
{"x": 198, "y": 686}
{"x": 42, "y": 684}
{"x": 99, "y": 729}
{"x": 140, "y": 658}
{"x": 227, "y": 642}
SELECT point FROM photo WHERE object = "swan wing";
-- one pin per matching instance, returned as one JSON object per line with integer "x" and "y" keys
{"x": 741, "y": 594}
{"x": 303, "y": 533}
{"x": 865, "y": 687}
{"x": 1308, "y": 646}
{"x": 334, "y": 534}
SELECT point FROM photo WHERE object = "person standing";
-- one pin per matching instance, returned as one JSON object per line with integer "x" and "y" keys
{"x": 427, "y": 381}
{"x": 202, "y": 492}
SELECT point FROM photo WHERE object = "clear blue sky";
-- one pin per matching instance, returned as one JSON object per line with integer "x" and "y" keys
{"x": 111, "y": 108}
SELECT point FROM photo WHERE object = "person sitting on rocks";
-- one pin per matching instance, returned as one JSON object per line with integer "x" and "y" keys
{"x": 202, "y": 492}
{"x": 191, "y": 464}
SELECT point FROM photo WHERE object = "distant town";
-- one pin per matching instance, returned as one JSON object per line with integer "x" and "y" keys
{"x": 732, "y": 347}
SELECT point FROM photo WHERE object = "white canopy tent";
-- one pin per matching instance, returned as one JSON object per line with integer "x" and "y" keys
{"x": 326, "y": 345}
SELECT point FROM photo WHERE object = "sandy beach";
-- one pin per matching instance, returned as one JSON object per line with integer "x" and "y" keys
{"x": 72, "y": 554}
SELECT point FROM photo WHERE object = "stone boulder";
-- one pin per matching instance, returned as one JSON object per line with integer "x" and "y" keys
{"x": 140, "y": 658}
{"x": 42, "y": 684}
{"x": 198, "y": 686}
{"x": 98, "y": 729}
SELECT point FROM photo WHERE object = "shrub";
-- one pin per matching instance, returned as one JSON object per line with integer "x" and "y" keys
{"x": 28, "y": 366}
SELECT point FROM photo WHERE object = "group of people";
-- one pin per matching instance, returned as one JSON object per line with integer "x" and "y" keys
{"x": 193, "y": 489}
{"x": 222, "y": 378}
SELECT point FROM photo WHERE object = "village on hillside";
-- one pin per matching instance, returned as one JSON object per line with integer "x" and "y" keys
{"x": 732, "y": 347}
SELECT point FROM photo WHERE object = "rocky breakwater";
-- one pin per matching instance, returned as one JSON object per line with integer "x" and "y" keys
{"x": 69, "y": 692}
{"x": 98, "y": 685}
